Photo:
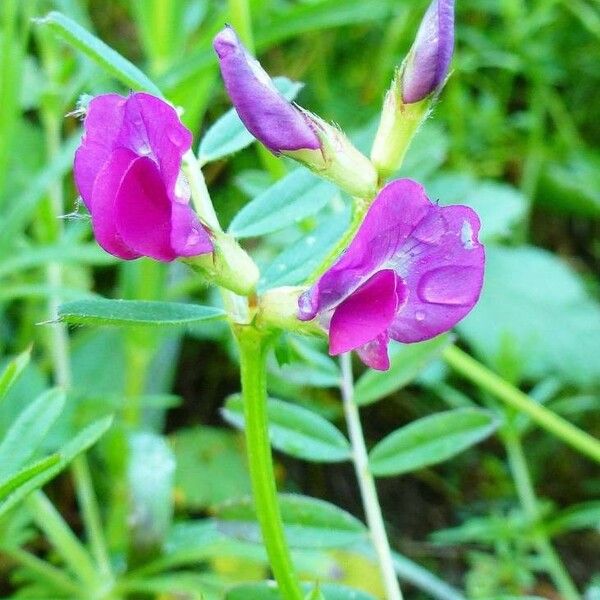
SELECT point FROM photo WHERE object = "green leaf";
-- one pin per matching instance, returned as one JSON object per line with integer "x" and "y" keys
{"x": 430, "y": 440}
{"x": 102, "y": 54}
{"x": 308, "y": 522}
{"x": 12, "y": 371}
{"x": 26, "y": 473}
{"x": 295, "y": 430}
{"x": 580, "y": 516}
{"x": 228, "y": 134}
{"x": 267, "y": 590}
{"x": 85, "y": 254}
{"x": 135, "y": 312}
{"x": 500, "y": 207}
{"x": 28, "y": 431}
{"x": 298, "y": 195}
{"x": 22, "y": 207}
{"x": 203, "y": 455}
{"x": 406, "y": 362}
{"x": 81, "y": 442}
{"x": 535, "y": 305}
{"x": 299, "y": 260}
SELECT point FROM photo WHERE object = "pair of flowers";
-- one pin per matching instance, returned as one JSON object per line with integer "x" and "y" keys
{"x": 412, "y": 271}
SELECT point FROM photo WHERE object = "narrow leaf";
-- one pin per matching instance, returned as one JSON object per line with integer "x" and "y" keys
{"x": 12, "y": 370}
{"x": 102, "y": 54}
{"x": 29, "y": 430}
{"x": 291, "y": 199}
{"x": 267, "y": 590}
{"x": 431, "y": 440}
{"x": 407, "y": 361}
{"x": 295, "y": 430}
{"x": 309, "y": 522}
{"x": 26, "y": 473}
{"x": 228, "y": 134}
{"x": 135, "y": 312}
{"x": 80, "y": 443}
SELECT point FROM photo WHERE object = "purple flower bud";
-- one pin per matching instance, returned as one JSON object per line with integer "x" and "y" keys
{"x": 128, "y": 172}
{"x": 268, "y": 116}
{"x": 429, "y": 58}
{"x": 413, "y": 271}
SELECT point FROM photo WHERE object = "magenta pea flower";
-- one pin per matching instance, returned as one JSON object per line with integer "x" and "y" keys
{"x": 413, "y": 270}
{"x": 427, "y": 63}
{"x": 128, "y": 173}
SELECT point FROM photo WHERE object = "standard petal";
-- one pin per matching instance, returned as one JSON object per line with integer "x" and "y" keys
{"x": 101, "y": 127}
{"x": 398, "y": 209}
{"x": 429, "y": 58}
{"x": 442, "y": 264}
{"x": 143, "y": 211}
{"x": 365, "y": 314}
{"x": 269, "y": 117}
{"x": 151, "y": 127}
{"x": 375, "y": 353}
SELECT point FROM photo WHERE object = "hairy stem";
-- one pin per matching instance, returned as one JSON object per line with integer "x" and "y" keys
{"x": 253, "y": 354}
{"x": 528, "y": 500}
{"x": 487, "y": 380}
{"x": 366, "y": 484}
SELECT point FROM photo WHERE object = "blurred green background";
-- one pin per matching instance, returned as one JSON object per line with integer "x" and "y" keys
{"x": 515, "y": 135}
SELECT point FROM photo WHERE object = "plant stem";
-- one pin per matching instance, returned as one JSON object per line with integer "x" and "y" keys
{"x": 253, "y": 355}
{"x": 487, "y": 380}
{"x": 526, "y": 493}
{"x": 59, "y": 336}
{"x": 366, "y": 484}
{"x": 43, "y": 570}
{"x": 49, "y": 520}
{"x": 200, "y": 195}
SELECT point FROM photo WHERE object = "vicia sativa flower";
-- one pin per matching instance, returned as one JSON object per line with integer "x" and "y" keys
{"x": 128, "y": 172}
{"x": 415, "y": 87}
{"x": 413, "y": 270}
{"x": 285, "y": 128}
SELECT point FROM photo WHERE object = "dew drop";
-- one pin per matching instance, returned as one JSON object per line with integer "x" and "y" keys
{"x": 454, "y": 286}
{"x": 420, "y": 315}
{"x": 143, "y": 149}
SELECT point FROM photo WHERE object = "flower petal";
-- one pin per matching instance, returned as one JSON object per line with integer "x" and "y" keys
{"x": 366, "y": 313}
{"x": 398, "y": 209}
{"x": 268, "y": 116}
{"x": 442, "y": 264}
{"x": 188, "y": 237}
{"x": 102, "y": 125}
{"x": 143, "y": 211}
{"x": 375, "y": 353}
{"x": 109, "y": 180}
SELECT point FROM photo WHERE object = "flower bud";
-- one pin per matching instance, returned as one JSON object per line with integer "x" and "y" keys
{"x": 426, "y": 66}
{"x": 419, "y": 78}
{"x": 285, "y": 128}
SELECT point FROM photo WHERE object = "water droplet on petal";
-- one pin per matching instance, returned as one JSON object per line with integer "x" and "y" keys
{"x": 420, "y": 315}
{"x": 143, "y": 149}
{"x": 466, "y": 236}
{"x": 454, "y": 285}
{"x": 192, "y": 239}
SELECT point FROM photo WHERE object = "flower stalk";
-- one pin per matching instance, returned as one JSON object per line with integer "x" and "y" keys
{"x": 253, "y": 354}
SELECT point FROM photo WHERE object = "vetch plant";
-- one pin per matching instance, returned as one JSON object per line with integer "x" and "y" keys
{"x": 406, "y": 269}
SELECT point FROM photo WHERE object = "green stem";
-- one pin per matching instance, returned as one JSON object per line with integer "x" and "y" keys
{"x": 49, "y": 520}
{"x": 91, "y": 515}
{"x": 487, "y": 380}
{"x": 43, "y": 570}
{"x": 366, "y": 483}
{"x": 253, "y": 355}
{"x": 526, "y": 493}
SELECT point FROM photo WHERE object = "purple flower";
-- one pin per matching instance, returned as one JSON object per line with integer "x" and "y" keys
{"x": 128, "y": 172}
{"x": 413, "y": 270}
{"x": 427, "y": 63}
{"x": 268, "y": 116}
